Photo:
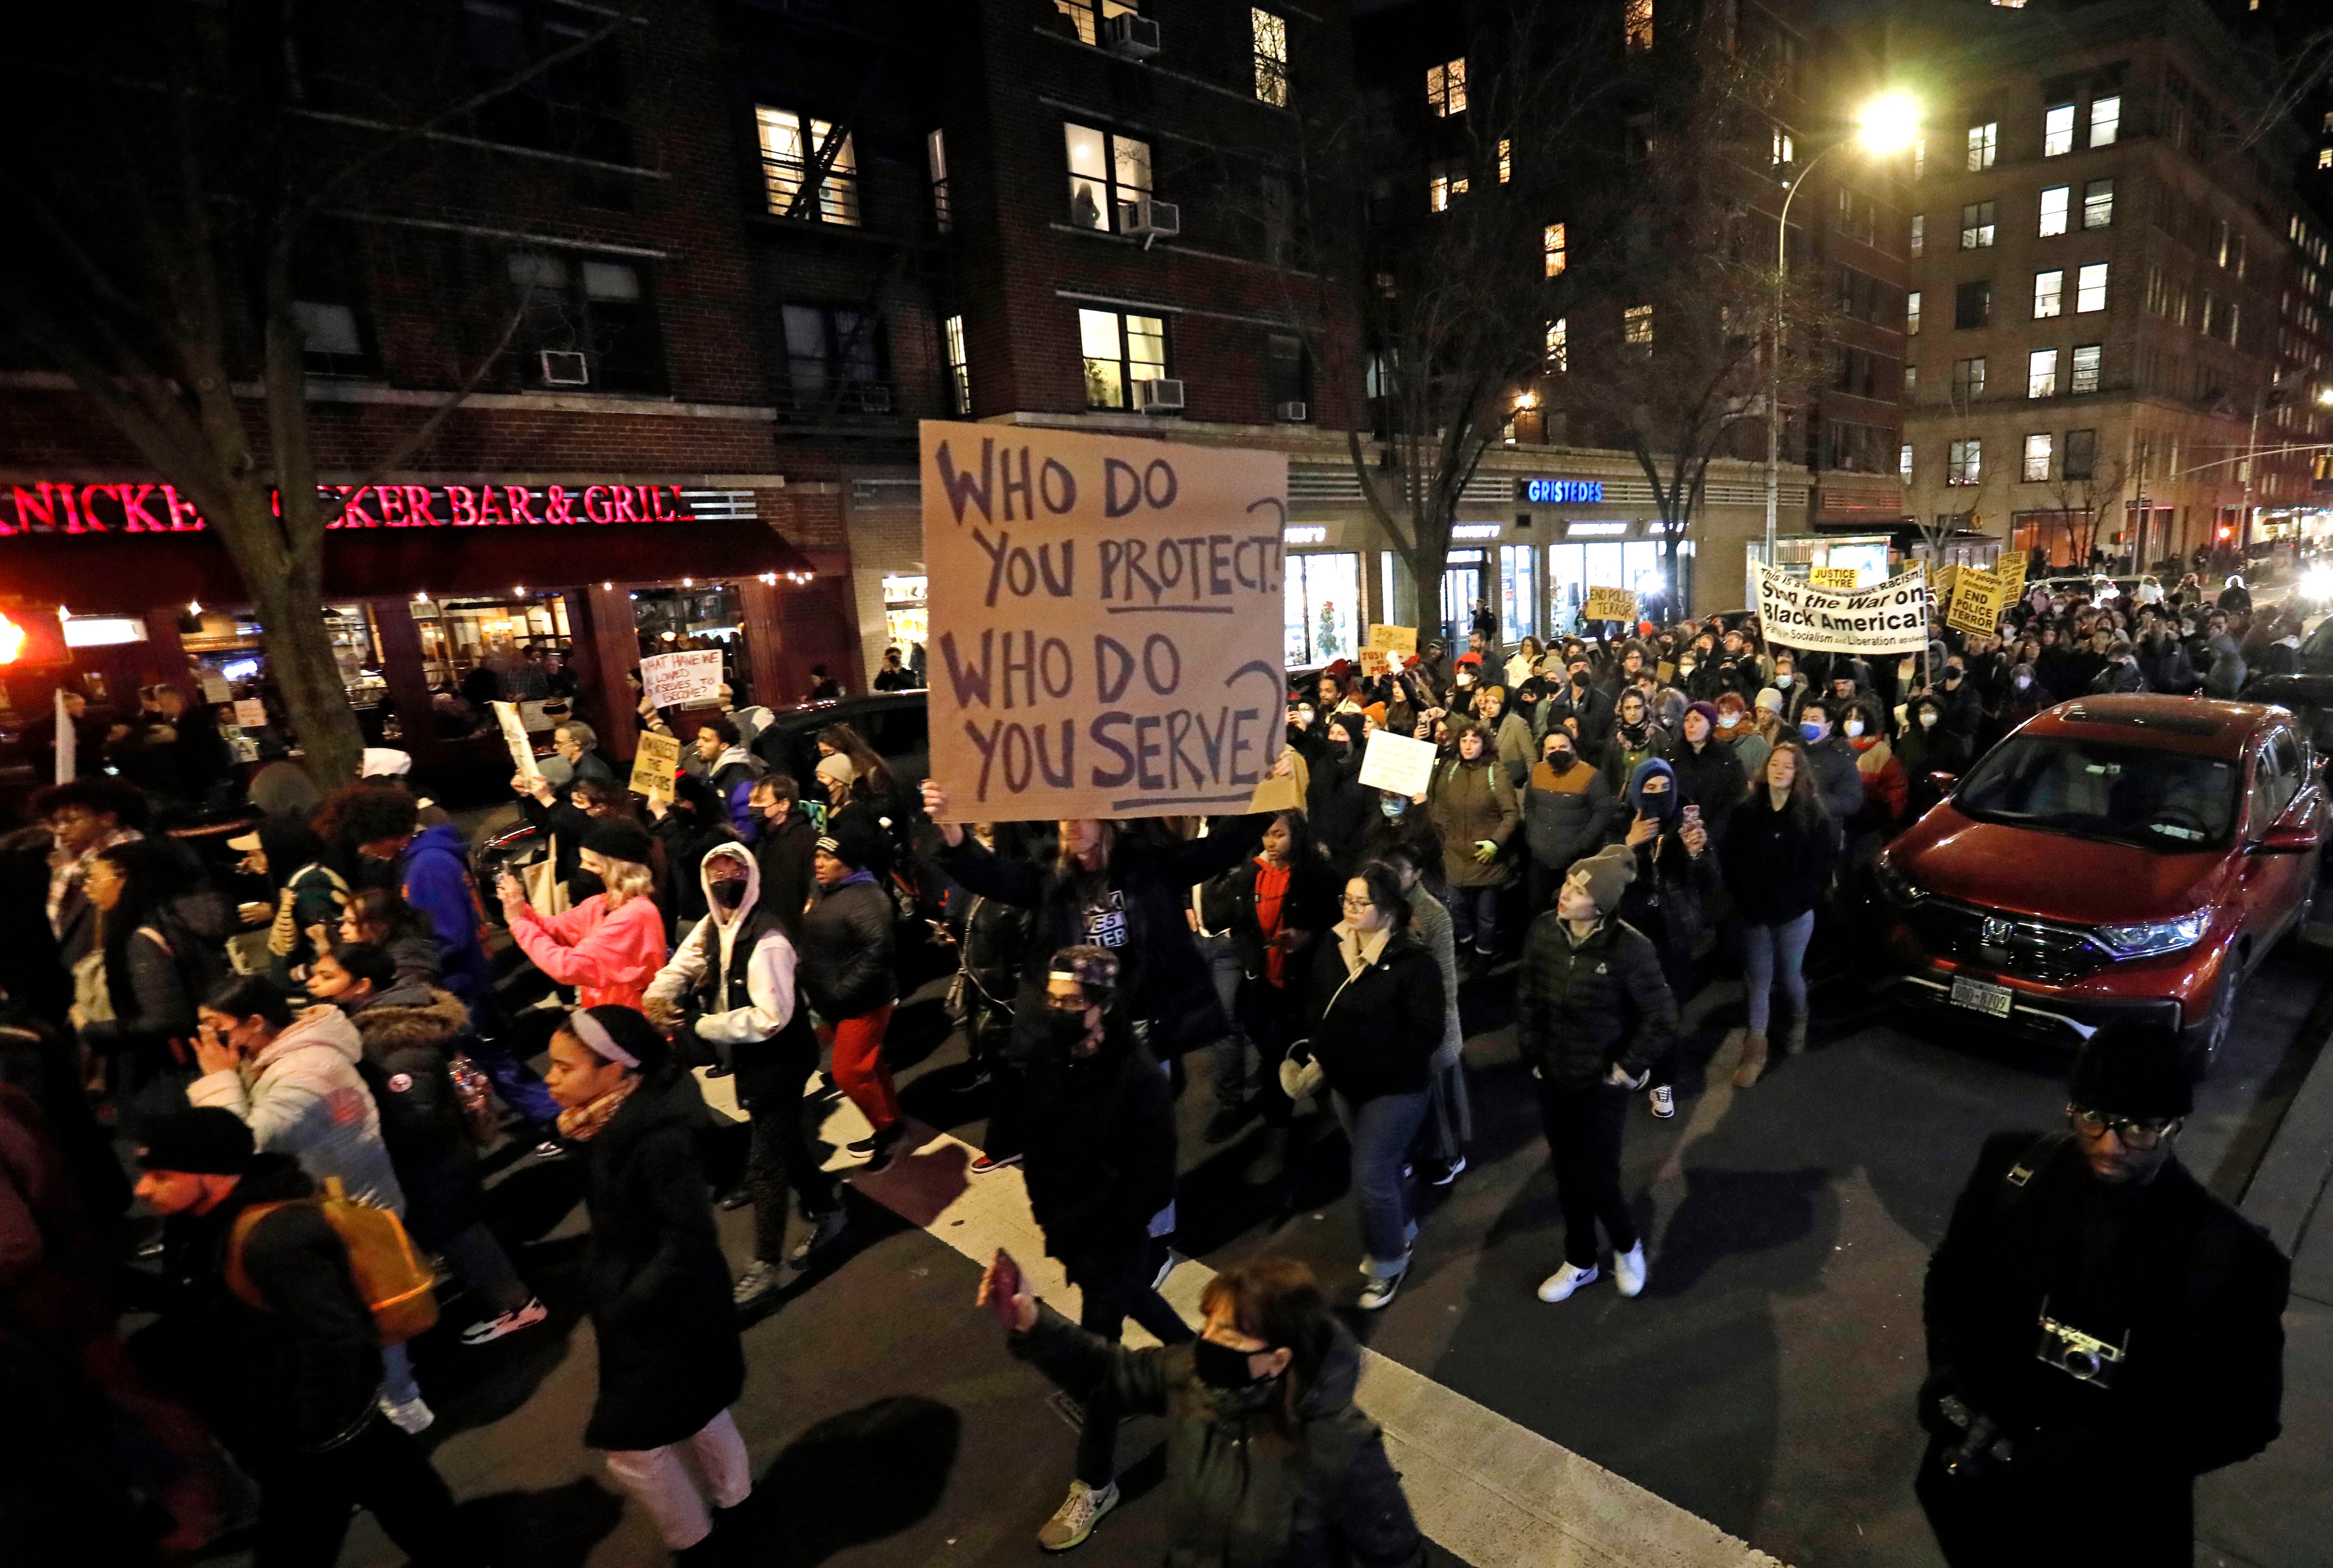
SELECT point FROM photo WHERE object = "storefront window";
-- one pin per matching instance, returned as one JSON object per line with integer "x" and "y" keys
{"x": 1321, "y": 620}
{"x": 906, "y": 617}
{"x": 697, "y": 615}
{"x": 1462, "y": 588}
{"x": 1518, "y": 593}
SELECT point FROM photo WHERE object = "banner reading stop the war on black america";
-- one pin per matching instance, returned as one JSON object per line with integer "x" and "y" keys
{"x": 1105, "y": 622}
{"x": 1890, "y": 618}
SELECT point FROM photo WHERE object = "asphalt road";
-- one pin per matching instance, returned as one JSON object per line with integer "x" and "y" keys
{"x": 1764, "y": 1380}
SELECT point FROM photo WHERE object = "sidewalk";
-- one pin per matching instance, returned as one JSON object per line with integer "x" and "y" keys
{"x": 2275, "y": 1511}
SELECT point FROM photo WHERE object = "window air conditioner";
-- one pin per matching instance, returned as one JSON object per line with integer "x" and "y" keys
{"x": 1130, "y": 36}
{"x": 1159, "y": 395}
{"x": 1149, "y": 218}
{"x": 1294, "y": 413}
{"x": 565, "y": 368}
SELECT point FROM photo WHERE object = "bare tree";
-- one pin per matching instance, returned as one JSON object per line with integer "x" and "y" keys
{"x": 183, "y": 176}
{"x": 2079, "y": 501}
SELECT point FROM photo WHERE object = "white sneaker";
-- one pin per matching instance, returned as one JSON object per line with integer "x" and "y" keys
{"x": 1628, "y": 1270}
{"x": 1075, "y": 1519}
{"x": 409, "y": 1417}
{"x": 486, "y": 1330}
{"x": 1558, "y": 1285}
{"x": 1379, "y": 1293}
{"x": 1663, "y": 1101}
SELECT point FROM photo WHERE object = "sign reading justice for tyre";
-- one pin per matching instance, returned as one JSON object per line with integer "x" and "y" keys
{"x": 1105, "y": 622}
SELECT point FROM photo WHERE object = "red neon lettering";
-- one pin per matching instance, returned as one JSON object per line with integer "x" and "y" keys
{"x": 522, "y": 503}
{"x": 558, "y": 506}
{"x": 596, "y": 496}
{"x": 490, "y": 510}
{"x": 460, "y": 506}
{"x": 354, "y": 515}
{"x": 416, "y": 507}
{"x": 176, "y": 507}
{"x": 27, "y": 503}
{"x": 133, "y": 509}
{"x": 392, "y": 501}
{"x": 681, "y": 513}
{"x": 659, "y": 511}
{"x": 87, "y": 512}
{"x": 624, "y": 513}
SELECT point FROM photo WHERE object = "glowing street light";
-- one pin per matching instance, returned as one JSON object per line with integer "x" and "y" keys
{"x": 1888, "y": 124}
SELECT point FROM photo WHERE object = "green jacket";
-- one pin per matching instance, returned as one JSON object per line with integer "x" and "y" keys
{"x": 1469, "y": 802}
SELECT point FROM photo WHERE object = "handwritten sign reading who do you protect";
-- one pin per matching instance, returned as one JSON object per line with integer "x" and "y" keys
{"x": 1105, "y": 621}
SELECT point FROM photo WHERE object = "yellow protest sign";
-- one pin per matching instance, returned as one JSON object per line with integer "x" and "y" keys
{"x": 1376, "y": 662}
{"x": 1106, "y": 621}
{"x": 1834, "y": 576}
{"x": 1393, "y": 639}
{"x": 1609, "y": 604}
{"x": 654, "y": 765}
{"x": 1977, "y": 603}
{"x": 2010, "y": 572}
{"x": 1945, "y": 578}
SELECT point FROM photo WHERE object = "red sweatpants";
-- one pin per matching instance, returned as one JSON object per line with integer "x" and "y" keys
{"x": 859, "y": 1069}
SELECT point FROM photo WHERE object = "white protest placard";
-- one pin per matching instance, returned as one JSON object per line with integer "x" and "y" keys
{"x": 216, "y": 691}
{"x": 68, "y": 739}
{"x": 1889, "y": 617}
{"x": 654, "y": 765}
{"x": 682, "y": 680}
{"x": 1396, "y": 763}
{"x": 250, "y": 714}
{"x": 1106, "y": 622}
{"x": 522, "y": 750}
{"x": 1609, "y": 604}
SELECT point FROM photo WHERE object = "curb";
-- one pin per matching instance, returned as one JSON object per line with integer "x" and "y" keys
{"x": 2290, "y": 1185}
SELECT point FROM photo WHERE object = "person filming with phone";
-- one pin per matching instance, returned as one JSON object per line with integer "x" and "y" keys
{"x": 1269, "y": 1464}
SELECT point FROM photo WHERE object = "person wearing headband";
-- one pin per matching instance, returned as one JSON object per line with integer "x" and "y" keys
{"x": 670, "y": 1360}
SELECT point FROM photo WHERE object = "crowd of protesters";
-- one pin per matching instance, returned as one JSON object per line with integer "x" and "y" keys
{"x": 1610, "y": 821}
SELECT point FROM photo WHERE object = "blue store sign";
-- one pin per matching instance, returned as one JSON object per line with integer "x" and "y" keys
{"x": 1564, "y": 492}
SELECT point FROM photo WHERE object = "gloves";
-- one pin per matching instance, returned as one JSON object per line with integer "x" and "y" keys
{"x": 1484, "y": 850}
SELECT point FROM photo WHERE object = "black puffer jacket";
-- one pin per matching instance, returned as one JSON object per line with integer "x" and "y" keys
{"x": 1101, "y": 1158}
{"x": 1776, "y": 862}
{"x": 1244, "y": 1491}
{"x": 1309, "y": 905}
{"x": 1375, "y": 1031}
{"x": 1579, "y": 1009}
{"x": 409, "y": 1033}
{"x": 1712, "y": 778}
{"x": 670, "y": 1356}
{"x": 847, "y": 948}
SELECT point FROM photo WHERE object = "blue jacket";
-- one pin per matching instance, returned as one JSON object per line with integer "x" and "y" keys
{"x": 437, "y": 874}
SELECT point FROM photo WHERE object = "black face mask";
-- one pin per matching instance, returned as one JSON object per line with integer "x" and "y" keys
{"x": 727, "y": 894}
{"x": 1220, "y": 1366}
{"x": 1339, "y": 748}
{"x": 1064, "y": 1032}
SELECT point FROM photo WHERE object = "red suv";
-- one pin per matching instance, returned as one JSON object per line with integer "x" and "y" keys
{"x": 2117, "y": 858}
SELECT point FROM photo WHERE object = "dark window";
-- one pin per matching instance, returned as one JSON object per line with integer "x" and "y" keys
{"x": 831, "y": 360}
{"x": 334, "y": 338}
{"x": 1288, "y": 378}
{"x": 2081, "y": 460}
{"x": 585, "y": 322}
{"x": 1973, "y": 305}
{"x": 573, "y": 107}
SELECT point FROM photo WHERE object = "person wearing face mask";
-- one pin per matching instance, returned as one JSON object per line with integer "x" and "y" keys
{"x": 2025, "y": 697}
{"x": 1928, "y": 745}
{"x": 1339, "y": 809}
{"x": 686, "y": 830}
{"x": 2165, "y": 664}
{"x": 1789, "y": 686}
{"x": 1675, "y": 876}
{"x": 1569, "y": 810}
{"x": 1708, "y": 770}
{"x": 1957, "y": 694}
{"x": 1473, "y": 809}
{"x": 1885, "y": 787}
{"x": 2121, "y": 673}
{"x": 1512, "y": 738}
{"x": 1269, "y": 1464}
{"x": 1099, "y": 1164}
{"x": 1836, "y": 778}
{"x": 1274, "y": 906}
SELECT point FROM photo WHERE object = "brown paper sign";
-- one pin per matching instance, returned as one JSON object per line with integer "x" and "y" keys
{"x": 1609, "y": 604}
{"x": 653, "y": 765}
{"x": 1282, "y": 792}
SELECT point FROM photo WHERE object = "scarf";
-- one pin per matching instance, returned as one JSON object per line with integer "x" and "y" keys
{"x": 1359, "y": 948}
{"x": 583, "y": 1122}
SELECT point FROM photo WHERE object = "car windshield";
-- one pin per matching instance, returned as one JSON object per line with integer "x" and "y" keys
{"x": 2092, "y": 789}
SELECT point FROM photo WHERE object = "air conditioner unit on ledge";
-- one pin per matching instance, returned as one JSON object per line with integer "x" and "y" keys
{"x": 1149, "y": 217}
{"x": 565, "y": 368}
{"x": 1294, "y": 413}
{"x": 1159, "y": 395}
{"x": 1130, "y": 36}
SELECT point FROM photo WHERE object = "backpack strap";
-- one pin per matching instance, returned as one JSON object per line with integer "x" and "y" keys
{"x": 238, "y": 1278}
{"x": 2018, "y": 1179}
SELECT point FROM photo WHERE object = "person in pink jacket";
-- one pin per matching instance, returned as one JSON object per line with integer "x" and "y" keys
{"x": 610, "y": 945}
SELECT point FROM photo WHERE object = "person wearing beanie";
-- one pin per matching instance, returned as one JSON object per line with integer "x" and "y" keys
{"x": 835, "y": 774}
{"x": 670, "y": 1360}
{"x": 288, "y": 1382}
{"x": 1709, "y": 772}
{"x": 2101, "y": 1329}
{"x": 1675, "y": 876}
{"x": 847, "y": 945}
{"x": 1592, "y": 1015}
{"x": 610, "y": 945}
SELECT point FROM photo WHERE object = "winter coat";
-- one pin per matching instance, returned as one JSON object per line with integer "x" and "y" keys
{"x": 435, "y": 875}
{"x": 670, "y": 1356}
{"x": 2118, "y": 677}
{"x": 1429, "y": 923}
{"x": 783, "y": 852}
{"x": 1101, "y": 1152}
{"x": 607, "y": 955}
{"x": 1621, "y": 759}
{"x": 2225, "y": 678}
{"x": 411, "y": 1032}
{"x": 170, "y": 968}
{"x": 1566, "y": 816}
{"x": 732, "y": 775}
{"x": 560, "y": 827}
{"x": 301, "y": 1096}
{"x": 1886, "y": 788}
{"x": 1338, "y": 810}
{"x": 1310, "y": 904}
{"x": 680, "y": 893}
{"x": 1241, "y": 1493}
{"x": 734, "y": 979}
{"x": 1710, "y": 778}
{"x": 311, "y": 895}
{"x": 1836, "y": 778}
{"x": 1514, "y": 748}
{"x": 847, "y": 946}
{"x": 1582, "y": 1008}
{"x": 2168, "y": 668}
{"x": 1469, "y": 802}
{"x": 1375, "y": 1031}
{"x": 1777, "y": 862}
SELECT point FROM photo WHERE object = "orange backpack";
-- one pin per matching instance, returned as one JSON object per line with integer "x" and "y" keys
{"x": 394, "y": 1279}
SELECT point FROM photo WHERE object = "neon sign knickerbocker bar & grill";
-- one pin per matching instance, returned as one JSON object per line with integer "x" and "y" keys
{"x": 52, "y": 508}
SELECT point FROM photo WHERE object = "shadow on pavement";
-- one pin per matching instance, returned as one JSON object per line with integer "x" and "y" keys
{"x": 553, "y": 1529}
{"x": 852, "y": 1478}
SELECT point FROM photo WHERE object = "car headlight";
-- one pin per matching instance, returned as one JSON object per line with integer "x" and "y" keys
{"x": 1896, "y": 883}
{"x": 2317, "y": 583}
{"x": 2149, "y": 937}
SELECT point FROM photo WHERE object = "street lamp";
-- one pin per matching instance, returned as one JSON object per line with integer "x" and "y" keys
{"x": 1887, "y": 125}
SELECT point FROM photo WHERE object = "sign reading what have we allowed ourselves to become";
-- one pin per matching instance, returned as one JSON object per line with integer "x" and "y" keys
{"x": 1105, "y": 622}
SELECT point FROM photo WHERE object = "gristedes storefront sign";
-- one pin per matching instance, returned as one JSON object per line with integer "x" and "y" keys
{"x": 48, "y": 507}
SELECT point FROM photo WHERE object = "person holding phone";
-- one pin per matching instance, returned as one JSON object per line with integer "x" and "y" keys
{"x": 1268, "y": 1461}
{"x": 1675, "y": 875}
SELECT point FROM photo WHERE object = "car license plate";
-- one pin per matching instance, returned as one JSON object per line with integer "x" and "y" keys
{"x": 1977, "y": 995}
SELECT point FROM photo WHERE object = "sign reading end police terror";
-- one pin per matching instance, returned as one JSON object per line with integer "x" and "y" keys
{"x": 1105, "y": 622}
{"x": 1889, "y": 617}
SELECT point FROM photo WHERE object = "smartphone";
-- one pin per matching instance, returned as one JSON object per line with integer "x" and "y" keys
{"x": 1004, "y": 1285}
{"x": 1693, "y": 815}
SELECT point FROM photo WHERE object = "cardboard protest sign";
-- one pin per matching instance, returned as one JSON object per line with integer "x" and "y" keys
{"x": 1890, "y": 618}
{"x": 1400, "y": 640}
{"x": 1106, "y": 621}
{"x": 1609, "y": 604}
{"x": 1376, "y": 662}
{"x": 653, "y": 765}
{"x": 2010, "y": 569}
{"x": 1286, "y": 792}
{"x": 522, "y": 750}
{"x": 682, "y": 680}
{"x": 1944, "y": 580}
{"x": 1396, "y": 763}
{"x": 250, "y": 714}
{"x": 1976, "y": 603}
{"x": 1834, "y": 576}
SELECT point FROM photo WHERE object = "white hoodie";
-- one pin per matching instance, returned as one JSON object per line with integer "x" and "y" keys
{"x": 301, "y": 1096}
{"x": 769, "y": 968}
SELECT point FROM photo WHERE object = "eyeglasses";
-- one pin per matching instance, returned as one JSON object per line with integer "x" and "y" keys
{"x": 1352, "y": 903}
{"x": 1076, "y": 1004}
{"x": 2135, "y": 1132}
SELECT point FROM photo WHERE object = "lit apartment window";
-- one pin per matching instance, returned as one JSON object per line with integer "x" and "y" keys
{"x": 1919, "y": 155}
{"x": 2090, "y": 288}
{"x": 2049, "y": 294}
{"x": 2085, "y": 368}
{"x": 1984, "y": 143}
{"x": 1904, "y": 463}
{"x": 1271, "y": 34}
{"x": 1636, "y": 325}
{"x": 2105, "y": 119}
{"x": 1911, "y": 380}
{"x": 2325, "y": 158}
{"x": 2081, "y": 454}
{"x": 1445, "y": 86}
{"x": 1637, "y": 24}
{"x": 1912, "y": 314}
{"x": 1919, "y": 234}
{"x": 2053, "y": 209}
{"x": 935, "y": 156}
{"x": 1559, "y": 344}
{"x": 1964, "y": 461}
{"x": 2039, "y": 450}
{"x": 1446, "y": 181}
{"x": 1087, "y": 16}
{"x": 2057, "y": 131}
{"x": 2041, "y": 373}
{"x": 2097, "y": 204}
{"x": 792, "y": 147}
{"x": 959, "y": 365}
{"x": 1107, "y": 174}
{"x": 1976, "y": 226}
{"x": 1968, "y": 380}
{"x": 1783, "y": 151}
{"x": 1553, "y": 250}
{"x": 1119, "y": 350}
{"x": 1506, "y": 160}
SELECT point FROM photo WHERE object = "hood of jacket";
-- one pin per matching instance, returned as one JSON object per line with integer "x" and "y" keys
{"x": 728, "y": 919}
{"x": 734, "y": 756}
{"x": 410, "y": 1013}
{"x": 444, "y": 839}
{"x": 322, "y": 1025}
{"x": 1341, "y": 1375}
{"x": 1652, "y": 767}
